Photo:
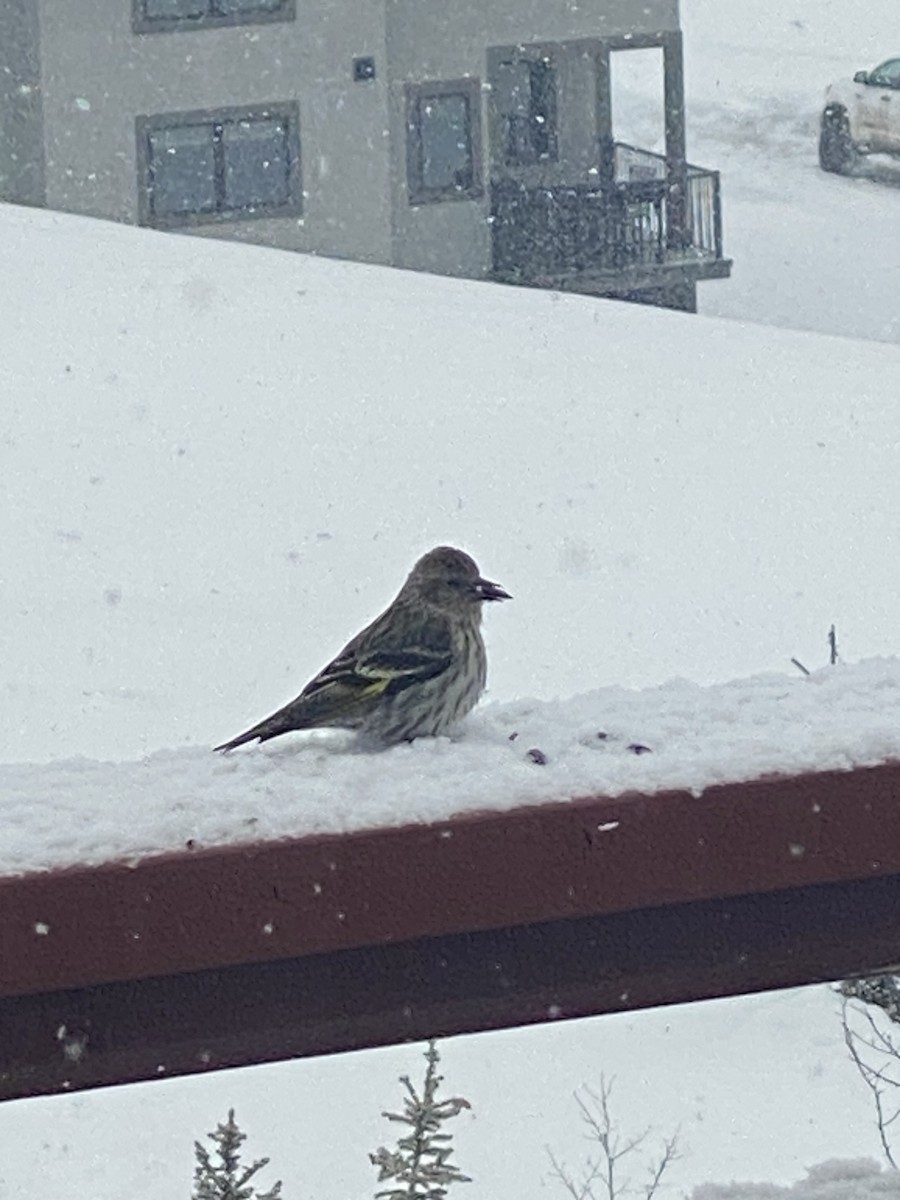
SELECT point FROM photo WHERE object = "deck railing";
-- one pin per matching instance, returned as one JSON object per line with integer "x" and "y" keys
{"x": 223, "y": 957}
{"x": 583, "y": 227}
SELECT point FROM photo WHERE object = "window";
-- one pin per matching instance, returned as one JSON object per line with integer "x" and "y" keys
{"x": 157, "y": 16}
{"x": 527, "y": 99}
{"x": 215, "y": 166}
{"x": 363, "y": 69}
{"x": 443, "y": 132}
{"x": 887, "y": 75}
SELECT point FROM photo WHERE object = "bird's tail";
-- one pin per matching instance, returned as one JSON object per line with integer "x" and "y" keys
{"x": 269, "y": 728}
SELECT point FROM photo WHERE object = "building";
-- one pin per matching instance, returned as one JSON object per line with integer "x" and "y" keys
{"x": 464, "y": 137}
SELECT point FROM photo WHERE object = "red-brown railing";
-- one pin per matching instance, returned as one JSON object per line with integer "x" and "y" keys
{"x": 251, "y": 954}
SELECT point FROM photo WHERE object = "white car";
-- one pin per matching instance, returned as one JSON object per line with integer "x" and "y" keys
{"x": 861, "y": 117}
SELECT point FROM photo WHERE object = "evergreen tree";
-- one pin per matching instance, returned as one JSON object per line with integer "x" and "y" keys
{"x": 420, "y": 1165}
{"x": 226, "y": 1179}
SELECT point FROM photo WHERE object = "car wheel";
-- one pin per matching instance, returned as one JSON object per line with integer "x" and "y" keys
{"x": 837, "y": 150}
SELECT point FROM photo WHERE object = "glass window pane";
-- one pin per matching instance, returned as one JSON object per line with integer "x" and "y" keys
{"x": 542, "y": 111}
{"x": 527, "y": 96}
{"x": 513, "y": 88}
{"x": 182, "y": 170}
{"x": 888, "y": 74}
{"x": 173, "y": 9}
{"x": 257, "y": 164}
{"x": 446, "y": 144}
{"x": 228, "y": 7}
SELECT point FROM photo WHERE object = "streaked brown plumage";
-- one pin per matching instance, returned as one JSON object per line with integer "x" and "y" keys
{"x": 416, "y": 671}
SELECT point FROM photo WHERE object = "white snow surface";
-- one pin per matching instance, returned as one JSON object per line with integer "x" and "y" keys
{"x": 220, "y": 462}
{"x": 606, "y": 742}
{"x": 185, "y": 544}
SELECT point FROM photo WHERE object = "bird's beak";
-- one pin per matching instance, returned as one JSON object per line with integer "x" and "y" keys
{"x": 485, "y": 590}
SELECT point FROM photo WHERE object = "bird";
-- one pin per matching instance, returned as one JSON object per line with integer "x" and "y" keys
{"x": 416, "y": 671}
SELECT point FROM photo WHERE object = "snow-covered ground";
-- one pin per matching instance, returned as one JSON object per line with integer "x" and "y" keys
{"x": 184, "y": 545}
{"x": 221, "y": 461}
{"x": 811, "y": 251}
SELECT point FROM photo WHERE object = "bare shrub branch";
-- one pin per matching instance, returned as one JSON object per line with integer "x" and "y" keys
{"x": 600, "y": 1175}
{"x": 876, "y": 1057}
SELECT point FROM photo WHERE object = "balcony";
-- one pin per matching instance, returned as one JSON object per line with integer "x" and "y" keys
{"x": 638, "y": 235}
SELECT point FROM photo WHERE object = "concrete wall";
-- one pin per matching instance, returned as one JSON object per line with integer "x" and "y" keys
{"x": 21, "y": 112}
{"x": 98, "y": 76}
{"x": 450, "y": 39}
{"x": 438, "y": 39}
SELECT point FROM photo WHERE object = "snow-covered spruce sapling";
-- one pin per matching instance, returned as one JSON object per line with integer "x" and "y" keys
{"x": 420, "y": 1166}
{"x": 600, "y": 1177}
{"x": 874, "y": 1048}
{"x": 226, "y": 1179}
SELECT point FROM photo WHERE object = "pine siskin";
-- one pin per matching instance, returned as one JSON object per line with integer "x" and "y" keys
{"x": 416, "y": 671}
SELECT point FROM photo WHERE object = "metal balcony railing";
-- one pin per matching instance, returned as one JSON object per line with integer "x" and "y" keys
{"x": 546, "y": 231}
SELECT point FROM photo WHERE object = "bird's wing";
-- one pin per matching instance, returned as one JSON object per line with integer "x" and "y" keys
{"x": 386, "y": 657}
{"x": 345, "y": 687}
{"x": 378, "y": 662}
{"x": 377, "y": 671}
{"x": 349, "y": 684}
